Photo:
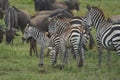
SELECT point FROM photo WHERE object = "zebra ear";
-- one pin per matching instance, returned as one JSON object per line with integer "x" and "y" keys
{"x": 88, "y": 7}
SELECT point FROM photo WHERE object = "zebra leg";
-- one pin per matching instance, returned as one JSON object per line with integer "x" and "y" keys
{"x": 72, "y": 51}
{"x": 81, "y": 57}
{"x": 41, "y": 55}
{"x": 108, "y": 57}
{"x": 76, "y": 52}
{"x": 56, "y": 55}
{"x": 118, "y": 49}
{"x": 68, "y": 51}
{"x": 62, "y": 55}
{"x": 92, "y": 42}
{"x": 52, "y": 53}
{"x": 100, "y": 49}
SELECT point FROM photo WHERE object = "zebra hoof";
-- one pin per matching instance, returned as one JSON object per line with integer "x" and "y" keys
{"x": 41, "y": 65}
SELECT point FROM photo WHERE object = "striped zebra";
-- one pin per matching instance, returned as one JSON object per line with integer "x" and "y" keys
{"x": 40, "y": 37}
{"x": 65, "y": 37}
{"x": 107, "y": 34}
{"x": 75, "y": 21}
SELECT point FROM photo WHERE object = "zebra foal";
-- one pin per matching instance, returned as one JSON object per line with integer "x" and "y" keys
{"x": 40, "y": 37}
{"x": 107, "y": 34}
{"x": 65, "y": 38}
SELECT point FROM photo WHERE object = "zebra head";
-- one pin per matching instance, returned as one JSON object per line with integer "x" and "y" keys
{"x": 27, "y": 32}
{"x": 94, "y": 16}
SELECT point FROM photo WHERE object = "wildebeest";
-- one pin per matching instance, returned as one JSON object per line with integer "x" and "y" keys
{"x": 4, "y": 4}
{"x": 15, "y": 19}
{"x": 53, "y": 4}
{"x": 114, "y": 19}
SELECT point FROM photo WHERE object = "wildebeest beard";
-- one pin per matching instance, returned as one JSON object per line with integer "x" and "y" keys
{"x": 10, "y": 36}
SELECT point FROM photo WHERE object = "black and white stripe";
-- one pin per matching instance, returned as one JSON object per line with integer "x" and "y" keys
{"x": 108, "y": 34}
{"x": 40, "y": 37}
{"x": 67, "y": 37}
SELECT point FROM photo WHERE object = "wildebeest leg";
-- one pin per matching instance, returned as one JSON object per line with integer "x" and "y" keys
{"x": 34, "y": 46}
{"x": 22, "y": 30}
{"x": 35, "y": 49}
{"x": 41, "y": 55}
{"x": 30, "y": 52}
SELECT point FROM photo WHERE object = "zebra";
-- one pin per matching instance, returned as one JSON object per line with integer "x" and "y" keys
{"x": 40, "y": 37}
{"x": 107, "y": 34}
{"x": 65, "y": 37}
{"x": 78, "y": 21}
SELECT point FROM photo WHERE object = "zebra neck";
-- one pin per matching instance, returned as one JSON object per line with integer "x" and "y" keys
{"x": 97, "y": 23}
{"x": 103, "y": 26}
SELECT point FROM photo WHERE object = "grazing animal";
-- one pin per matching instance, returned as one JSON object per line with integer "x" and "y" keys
{"x": 40, "y": 37}
{"x": 53, "y": 4}
{"x": 107, "y": 34}
{"x": 15, "y": 19}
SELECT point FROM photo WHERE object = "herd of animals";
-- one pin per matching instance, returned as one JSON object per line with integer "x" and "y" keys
{"x": 54, "y": 26}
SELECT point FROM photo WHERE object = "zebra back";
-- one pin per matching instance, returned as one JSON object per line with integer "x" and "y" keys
{"x": 59, "y": 26}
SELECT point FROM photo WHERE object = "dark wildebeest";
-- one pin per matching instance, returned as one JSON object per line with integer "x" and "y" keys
{"x": 15, "y": 19}
{"x": 4, "y": 4}
{"x": 72, "y": 4}
{"x": 52, "y": 5}
{"x": 114, "y": 19}
{"x": 41, "y": 4}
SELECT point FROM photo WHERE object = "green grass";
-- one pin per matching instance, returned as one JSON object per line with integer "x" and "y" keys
{"x": 16, "y": 64}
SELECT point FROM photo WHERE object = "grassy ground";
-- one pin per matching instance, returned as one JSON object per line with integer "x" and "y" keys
{"x": 16, "y": 64}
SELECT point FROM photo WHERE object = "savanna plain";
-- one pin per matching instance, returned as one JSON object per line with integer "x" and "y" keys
{"x": 16, "y": 64}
